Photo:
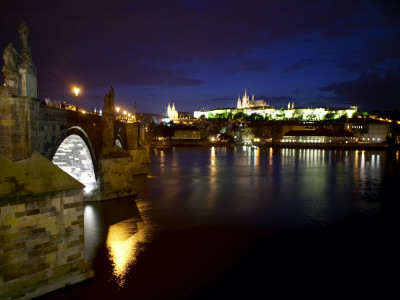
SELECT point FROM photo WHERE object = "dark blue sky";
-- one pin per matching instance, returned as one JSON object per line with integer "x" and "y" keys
{"x": 203, "y": 54}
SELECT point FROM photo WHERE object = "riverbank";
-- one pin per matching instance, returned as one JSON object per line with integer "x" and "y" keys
{"x": 348, "y": 146}
{"x": 345, "y": 146}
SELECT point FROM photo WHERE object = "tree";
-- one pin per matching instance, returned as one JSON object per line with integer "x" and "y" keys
{"x": 160, "y": 130}
{"x": 279, "y": 116}
{"x": 330, "y": 116}
{"x": 239, "y": 116}
{"x": 255, "y": 117}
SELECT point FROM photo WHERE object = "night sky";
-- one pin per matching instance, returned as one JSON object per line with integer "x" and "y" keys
{"x": 203, "y": 54}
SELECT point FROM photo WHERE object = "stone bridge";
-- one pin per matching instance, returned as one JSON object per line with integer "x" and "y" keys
{"x": 41, "y": 205}
{"x": 98, "y": 150}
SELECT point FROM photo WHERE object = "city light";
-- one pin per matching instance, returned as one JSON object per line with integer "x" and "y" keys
{"x": 123, "y": 115}
{"x": 76, "y": 92}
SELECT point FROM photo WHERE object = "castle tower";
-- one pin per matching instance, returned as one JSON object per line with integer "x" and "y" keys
{"x": 239, "y": 102}
{"x": 245, "y": 100}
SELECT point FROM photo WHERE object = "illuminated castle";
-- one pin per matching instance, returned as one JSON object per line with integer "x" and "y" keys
{"x": 245, "y": 102}
{"x": 259, "y": 107}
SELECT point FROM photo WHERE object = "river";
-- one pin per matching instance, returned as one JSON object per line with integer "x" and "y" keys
{"x": 247, "y": 223}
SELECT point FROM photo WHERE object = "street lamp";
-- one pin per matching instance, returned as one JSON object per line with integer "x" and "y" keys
{"x": 76, "y": 91}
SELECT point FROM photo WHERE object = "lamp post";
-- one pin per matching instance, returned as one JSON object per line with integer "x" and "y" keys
{"x": 76, "y": 91}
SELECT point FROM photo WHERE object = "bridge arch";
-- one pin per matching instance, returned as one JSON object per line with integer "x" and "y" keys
{"x": 118, "y": 141}
{"x": 75, "y": 154}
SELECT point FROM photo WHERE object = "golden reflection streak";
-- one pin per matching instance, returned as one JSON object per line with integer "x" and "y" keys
{"x": 256, "y": 156}
{"x": 356, "y": 160}
{"x": 210, "y": 199}
{"x": 123, "y": 241}
{"x": 271, "y": 152}
{"x": 162, "y": 160}
{"x": 213, "y": 157}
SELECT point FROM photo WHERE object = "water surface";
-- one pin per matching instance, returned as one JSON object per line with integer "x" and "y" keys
{"x": 248, "y": 223}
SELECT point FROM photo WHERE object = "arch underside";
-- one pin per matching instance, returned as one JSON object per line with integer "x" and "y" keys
{"x": 74, "y": 157}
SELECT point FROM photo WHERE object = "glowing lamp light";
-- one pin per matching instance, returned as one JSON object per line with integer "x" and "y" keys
{"x": 76, "y": 91}
{"x": 117, "y": 109}
{"x": 124, "y": 112}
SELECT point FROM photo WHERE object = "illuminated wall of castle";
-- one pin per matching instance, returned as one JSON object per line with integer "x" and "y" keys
{"x": 311, "y": 114}
{"x": 249, "y": 107}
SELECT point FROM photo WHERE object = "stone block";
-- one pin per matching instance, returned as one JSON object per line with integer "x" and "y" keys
{"x": 20, "y": 214}
{"x": 33, "y": 212}
{"x": 11, "y": 276}
{"x": 37, "y": 268}
{"x": 50, "y": 249}
{"x": 74, "y": 257}
{"x": 75, "y": 243}
{"x": 35, "y": 253}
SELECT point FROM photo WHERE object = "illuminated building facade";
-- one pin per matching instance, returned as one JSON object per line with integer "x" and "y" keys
{"x": 188, "y": 132}
{"x": 369, "y": 131}
{"x": 319, "y": 135}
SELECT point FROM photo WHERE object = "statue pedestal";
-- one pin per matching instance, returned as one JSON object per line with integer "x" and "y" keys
{"x": 27, "y": 85}
{"x": 11, "y": 84}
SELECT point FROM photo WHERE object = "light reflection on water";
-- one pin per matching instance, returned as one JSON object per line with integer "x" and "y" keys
{"x": 123, "y": 242}
{"x": 122, "y": 227}
{"x": 271, "y": 187}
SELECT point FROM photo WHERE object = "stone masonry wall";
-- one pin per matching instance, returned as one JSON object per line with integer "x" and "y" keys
{"x": 42, "y": 244}
{"x": 116, "y": 177}
{"x": 141, "y": 160}
{"x": 117, "y": 174}
{"x": 18, "y": 126}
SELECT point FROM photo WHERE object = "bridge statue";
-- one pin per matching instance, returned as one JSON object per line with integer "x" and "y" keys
{"x": 109, "y": 102}
{"x": 24, "y": 35}
{"x": 10, "y": 70}
{"x": 11, "y": 59}
{"x": 19, "y": 71}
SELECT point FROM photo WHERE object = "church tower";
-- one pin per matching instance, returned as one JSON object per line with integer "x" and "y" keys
{"x": 168, "y": 110}
{"x": 245, "y": 100}
{"x": 239, "y": 102}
